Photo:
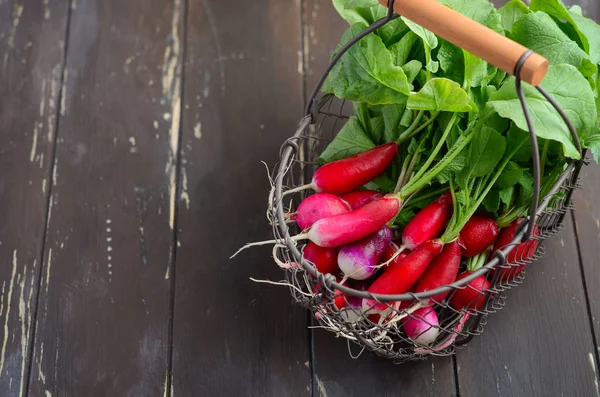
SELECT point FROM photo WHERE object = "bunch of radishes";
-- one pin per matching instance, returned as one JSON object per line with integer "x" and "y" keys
{"x": 351, "y": 238}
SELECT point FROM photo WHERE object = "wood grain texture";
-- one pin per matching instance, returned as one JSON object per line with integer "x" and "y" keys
{"x": 242, "y": 99}
{"x": 587, "y": 222}
{"x": 103, "y": 319}
{"x": 31, "y": 62}
{"x": 540, "y": 344}
{"x": 335, "y": 372}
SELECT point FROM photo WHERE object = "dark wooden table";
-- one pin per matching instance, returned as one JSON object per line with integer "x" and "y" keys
{"x": 131, "y": 135}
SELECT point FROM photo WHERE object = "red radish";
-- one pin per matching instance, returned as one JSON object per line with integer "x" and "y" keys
{"x": 478, "y": 234}
{"x": 324, "y": 259}
{"x": 472, "y": 296}
{"x": 345, "y": 175}
{"x": 358, "y": 260}
{"x": 318, "y": 206}
{"x": 342, "y": 229}
{"x": 523, "y": 252}
{"x": 340, "y": 299}
{"x": 422, "y": 327}
{"x": 400, "y": 278}
{"x": 358, "y": 198}
{"x": 428, "y": 223}
{"x": 442, "y": 271}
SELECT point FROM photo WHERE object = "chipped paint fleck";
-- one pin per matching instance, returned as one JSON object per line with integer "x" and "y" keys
{"x": 48, "y": 266}
{"x": 63, "y": 95}
{"x": 184, "y": 188}
{"x": 55, "y": 172}
{"x": 321, "y": 387}
{"x": 167, "y": 273}
{"x": 34, "y": 143}
{"x": 167, "y": 116}
{"x": 155, "y": 124}
{"x": 593, "y": 366}
{"x": 198, "y": 130}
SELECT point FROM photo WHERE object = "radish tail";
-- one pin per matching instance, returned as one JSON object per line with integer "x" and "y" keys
{"x": 302, "y": 236}
{"x": 298, "y": 189}
{"x": 283, "y": 284}
{"x": 384, "y": 264}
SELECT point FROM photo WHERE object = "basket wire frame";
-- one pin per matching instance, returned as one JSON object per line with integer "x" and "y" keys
{"x": 383, "y": 334}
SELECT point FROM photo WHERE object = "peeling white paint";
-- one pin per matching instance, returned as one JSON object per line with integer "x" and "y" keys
{"x": 46, "y": 10}
{"x": 24, "y": 322}
{"x": 34, "y": 143}
{"x": 184, "y": 189}
{"x": 41, "y": 375}
{"x": 55, "y": 172}
{"x": 155, "y": 124}
{"x": 17, "y": 12}
{"x": 167, "y": 273}
{"x": 167, "y": 116}
{"x": 198, "y": 130}
{"x": 8, "y": 304}
{"x": 48, "y": 266}
{"x": 63, "y": 95}
{"x": 593, "y": 366}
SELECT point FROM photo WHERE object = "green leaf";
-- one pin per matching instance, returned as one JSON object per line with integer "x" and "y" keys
{"x": 510, "y": 176}
{"x": 576, "y": 10}
{"x": 404, "y": 217}
{"x": 351, "y": 140}
{"x": 481, "y": 11}
{"x": 507, "y": 194}
{"x": 382, "y": 183}
{"x": 491, "y": 202}
{"x": 478, "y": 71}
{"x": 411, "y": 69}
{"x": 538, "y": 32}
{"x": 525, "y": 189}
{"x": 366, "y": 72}
{"x": 392, "y": 114}
{"x": 407, "y": 118}
{"x": 367, "y": 15}
{"x": 432, "y": 66}
{"x": 556, "y": 9}
{"x": 427, "y": 36}
{"x": 591, "y": 30}
{"x": 515, "y": 136}
{"x": 512, "y": 12}
{"x": 452, "y": 62}
{"x": 572, "y": 92}
{"x": 360, "y": 3}
{"x": 440, "y": 94}
{"x": 455, "y": 166}
{"x": 592, "y": 142}
{"x": 485, "y": 152}
{"x": 401, "y": 50}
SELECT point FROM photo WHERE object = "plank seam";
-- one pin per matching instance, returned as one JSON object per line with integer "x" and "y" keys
{"x": 51, "y": 171}
{"x": 585, "y": 291}
{"x": 169, "y": 383}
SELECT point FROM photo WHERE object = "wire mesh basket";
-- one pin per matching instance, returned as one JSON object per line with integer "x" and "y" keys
{"x": 383, "y": 333}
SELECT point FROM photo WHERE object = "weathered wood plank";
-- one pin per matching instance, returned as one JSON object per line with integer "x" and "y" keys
{"x": 103, "y": 321}
{"x": 336, "y": 373}
{"x": 540, "y": 344}
{"x": 31, "y": 62}
{"x": 242, "y": 99}
{"x": 587, "y": 222}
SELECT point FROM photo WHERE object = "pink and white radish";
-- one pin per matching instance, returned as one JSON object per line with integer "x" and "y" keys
{"x": 318, "y": 206}
{"x": 423, "y": 326}
{"x": 359, "y": 260}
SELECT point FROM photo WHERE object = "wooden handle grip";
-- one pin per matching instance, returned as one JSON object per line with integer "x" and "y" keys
{"x": 472, "y": 36}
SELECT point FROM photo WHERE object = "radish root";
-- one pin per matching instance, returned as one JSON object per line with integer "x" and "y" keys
{"x": 282, "y": 284}
{"x": 302, "y": 236}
